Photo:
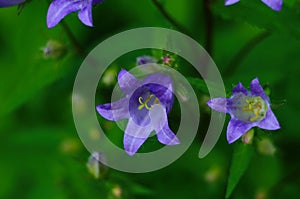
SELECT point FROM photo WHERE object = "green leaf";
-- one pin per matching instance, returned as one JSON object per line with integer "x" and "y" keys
{"x": 240, "y": 160}
{"x": 198, "y": 84}
{"x": 24, "y": 68}
{"x": 256, "y": 13}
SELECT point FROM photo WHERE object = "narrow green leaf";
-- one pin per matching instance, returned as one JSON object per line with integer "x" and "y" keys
{"x": 240, "y": 160}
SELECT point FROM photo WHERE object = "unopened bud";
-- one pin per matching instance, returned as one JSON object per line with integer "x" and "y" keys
{"x": 53, "y": 49}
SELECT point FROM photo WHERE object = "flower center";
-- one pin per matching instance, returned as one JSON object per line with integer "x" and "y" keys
{"x": 152, "y": 100}
{"x": 257, "y": 107}
{"x": 249, "y": 109}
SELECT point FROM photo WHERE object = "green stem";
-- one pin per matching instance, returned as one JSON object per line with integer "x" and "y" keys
{"x": 169, "y": 18}
{"x": 72, "y": 38}
{"x": 209, "y": 26}
{"x": 245, "y": 50}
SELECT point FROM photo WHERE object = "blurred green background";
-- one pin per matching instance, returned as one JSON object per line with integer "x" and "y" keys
{"x": 41, "y": 153}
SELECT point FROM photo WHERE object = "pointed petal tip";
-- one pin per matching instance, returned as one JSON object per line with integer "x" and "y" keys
{"x": 239, "y": 88}
{"x": 218, "y": 104}
{"x": 175, "y": 141}
{"x": 122, "y": 72}
{"x": 130, "y": 153}
{"x": 270, "y": 122}
{"x": 230, "y": 2}
{"x": 275, "y": 5}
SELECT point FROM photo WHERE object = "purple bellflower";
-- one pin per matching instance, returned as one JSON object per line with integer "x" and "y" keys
{"x": 7, "y": 3}
{"x": 58, "y": 9}
{"x": 145, "y": 105}
{"x": 247, "y": 110}
{"x": 274, "y": 4}
{"x": 145, "y": 60}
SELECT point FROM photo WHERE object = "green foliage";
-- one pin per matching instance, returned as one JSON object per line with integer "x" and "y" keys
{"x": 41, "y": 154}
{"x": 241, "y": 157}
{"x": 254, "y": 12}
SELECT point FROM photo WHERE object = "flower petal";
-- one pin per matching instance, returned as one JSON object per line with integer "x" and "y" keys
{"x": 230, "y": 2}
{"x": 218, "y": 104}
{"x": 135, "y": 136}
{"x": 161, "y": 86}
{"x": 85, "y": 14}
{"x": 6, "y": 3}
{"x": 114, "y": 111}
{"x": 58, "y": 9}
{"x": 159, "y": 121}
{"x": 270, "y": 122}
{"x": 274, "y": 4}
{"x": 97, "y": 1}
{"x": 239, "y": 88}
{"x": 236, "y": 129}
{"x": 256, "y": 89}
{"x": 127, "y": 82}
{"x": 167, "y": 137}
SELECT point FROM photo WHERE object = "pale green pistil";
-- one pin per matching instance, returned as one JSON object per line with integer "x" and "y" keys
{"x": 250, "y": 109}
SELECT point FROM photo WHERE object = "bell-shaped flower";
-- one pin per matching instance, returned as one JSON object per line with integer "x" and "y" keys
{"x": 247, "y": 110}
{"x": 145, "y": 105}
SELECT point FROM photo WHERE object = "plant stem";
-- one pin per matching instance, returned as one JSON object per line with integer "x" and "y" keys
{"x": 169, "y": 18}
{"x": 72, "y": 38}
{"x": 245, "y": 50}
{"x": 209, "y": 26}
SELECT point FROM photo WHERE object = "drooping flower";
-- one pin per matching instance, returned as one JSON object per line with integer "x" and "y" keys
{"x": 145, "y": 105}
{"x": 145, "y": 60}
{"x": 247, "y": 110}
{"x": 7, "y": 3}
{"x": 274, "y": 4}
{"x": 58, "y": 9}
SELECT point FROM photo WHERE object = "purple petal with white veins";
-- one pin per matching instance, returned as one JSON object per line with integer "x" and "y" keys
{"x": 159, "y": 121}
{"x": 270, "y": 122}
{"x": 85, "y": 14}
{"x": 230, "y": 2}
{"x": 218, "y": 104}
{"x": 58, "y": 9}
{"x": 239, "y": 88}
{"x": 135, "y": 136}
{"x": 114, "y": 111}
{"x": 6, "y": 3}
{"x": 127, "y": 82}
{"x": 274, "y": 4}
{"x": 236, "y": 129}
{"x": 256, "y": 89}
